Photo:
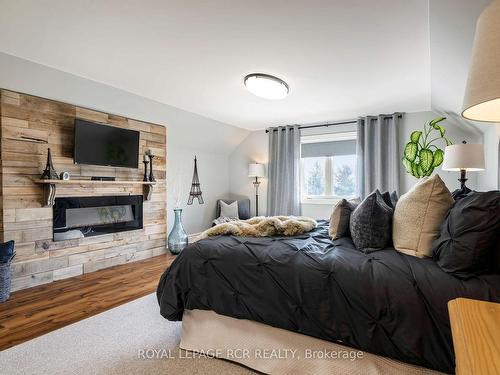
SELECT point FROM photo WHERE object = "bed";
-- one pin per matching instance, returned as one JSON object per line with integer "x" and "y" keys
{"x": 385, "y": 302}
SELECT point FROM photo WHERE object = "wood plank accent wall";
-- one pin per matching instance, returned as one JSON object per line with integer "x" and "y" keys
{"x": 23, "y": 218}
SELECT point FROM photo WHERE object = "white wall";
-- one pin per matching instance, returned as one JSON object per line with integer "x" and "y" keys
{"x": 188, "y": 134}
{"x": 490, "y": 178}
{"x": 455, "y": 131}
{"x": 254, "y": 148}
{"x": 452, "y": 25}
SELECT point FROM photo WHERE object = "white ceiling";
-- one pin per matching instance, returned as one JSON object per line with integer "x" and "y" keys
{"x": 452, "y": 25}
{"x": 341, "y": 58}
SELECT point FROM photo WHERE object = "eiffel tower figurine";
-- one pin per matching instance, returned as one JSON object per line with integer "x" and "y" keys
{"x": 195, "y": 187}
{"x": 49, "y": 173}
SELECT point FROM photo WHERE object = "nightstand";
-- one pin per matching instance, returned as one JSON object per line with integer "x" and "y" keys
{"x": 475, "y": 326}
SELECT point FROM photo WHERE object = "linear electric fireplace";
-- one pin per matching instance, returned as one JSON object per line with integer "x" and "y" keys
{"x": 79, "y": 217}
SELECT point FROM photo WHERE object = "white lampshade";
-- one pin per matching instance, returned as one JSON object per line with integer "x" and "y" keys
{"x": 482, "y": 94}
{"x": 468, "y": 156}
{"x": 256, "y": 170}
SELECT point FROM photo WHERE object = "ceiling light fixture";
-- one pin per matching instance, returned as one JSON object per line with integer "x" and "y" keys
{"x": 266, "y": 86}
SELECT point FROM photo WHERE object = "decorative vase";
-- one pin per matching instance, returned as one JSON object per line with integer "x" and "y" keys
{"x": 177, "y": 239}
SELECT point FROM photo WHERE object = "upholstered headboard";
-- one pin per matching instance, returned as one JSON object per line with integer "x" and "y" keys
{"x": 243, "y": 207}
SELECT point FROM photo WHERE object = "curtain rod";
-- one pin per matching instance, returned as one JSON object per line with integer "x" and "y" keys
{"x": 330, "y": 124}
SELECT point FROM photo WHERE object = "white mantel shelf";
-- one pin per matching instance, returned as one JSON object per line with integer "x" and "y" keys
{"x": 50, "y": 187}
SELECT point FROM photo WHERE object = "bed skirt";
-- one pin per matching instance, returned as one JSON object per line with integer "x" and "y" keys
{"x": 277, "y": 351}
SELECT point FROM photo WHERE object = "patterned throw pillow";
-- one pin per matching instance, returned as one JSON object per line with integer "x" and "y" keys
{"x": 419, "y": 215}
{"x": 371, "y": 223}
{"x": 339, "y": 219}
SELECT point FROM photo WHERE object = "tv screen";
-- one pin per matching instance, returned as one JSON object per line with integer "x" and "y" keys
{"x": 98, "y": 144}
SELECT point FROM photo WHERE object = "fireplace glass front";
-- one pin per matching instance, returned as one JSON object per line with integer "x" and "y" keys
{"x": 79, "y": 217}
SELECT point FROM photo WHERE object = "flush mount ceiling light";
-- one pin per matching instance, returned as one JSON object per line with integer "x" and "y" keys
{"x": 266, "y": 86}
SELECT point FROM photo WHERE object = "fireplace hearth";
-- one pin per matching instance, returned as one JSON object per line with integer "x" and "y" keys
{"x": 79, "y": 217}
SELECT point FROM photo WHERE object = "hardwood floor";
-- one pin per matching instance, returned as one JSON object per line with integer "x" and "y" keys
{"x": 32, "y": 312}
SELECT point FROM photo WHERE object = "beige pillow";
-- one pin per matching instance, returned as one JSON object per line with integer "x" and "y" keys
{"x": 419, "y": 215}
{"x": 339, "y": 219}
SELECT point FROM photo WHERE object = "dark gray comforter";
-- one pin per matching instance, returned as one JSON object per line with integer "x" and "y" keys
{"x": 385, "y": 302}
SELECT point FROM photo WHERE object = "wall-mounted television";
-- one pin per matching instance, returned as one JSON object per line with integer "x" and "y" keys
{"x": 98, "y": 144}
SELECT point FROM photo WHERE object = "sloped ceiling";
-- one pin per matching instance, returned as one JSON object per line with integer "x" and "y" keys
{"x": 341, "y": 58}
{"x": 452, "y": 26}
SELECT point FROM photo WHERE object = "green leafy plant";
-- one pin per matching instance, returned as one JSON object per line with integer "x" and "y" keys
{"x": 421, "y": 155}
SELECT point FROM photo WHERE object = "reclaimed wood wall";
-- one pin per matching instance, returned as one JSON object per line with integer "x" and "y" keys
{"x": 23, "y": 218}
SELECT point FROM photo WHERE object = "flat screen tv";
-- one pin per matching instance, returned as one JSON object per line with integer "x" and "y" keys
{"x": 98, "y": 144}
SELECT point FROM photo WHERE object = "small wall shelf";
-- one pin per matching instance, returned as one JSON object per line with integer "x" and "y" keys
{"x": 50, "y": 187}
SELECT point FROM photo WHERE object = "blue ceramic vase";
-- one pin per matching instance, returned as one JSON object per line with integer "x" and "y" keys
{"x": 177, "y": 239}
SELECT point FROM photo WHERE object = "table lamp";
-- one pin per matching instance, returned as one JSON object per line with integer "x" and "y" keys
{"x": 463, "y": 157}
{"x": 482, "y": 94}
{"x": 256, "y": 170}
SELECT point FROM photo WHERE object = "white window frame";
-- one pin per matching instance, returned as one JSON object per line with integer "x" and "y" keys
{"x": 318, "y": 138}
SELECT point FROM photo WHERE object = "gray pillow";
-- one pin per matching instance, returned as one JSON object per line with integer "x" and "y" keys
{"x": 371, "y": 223}
{"x": 339, "y": 219}
{"x": 394, "y": 199}
{"x": 243, "y": 207}
{"x": 386, "y": 196}
{"x": 229, "y": 210}
{"x": 390, "y": 198}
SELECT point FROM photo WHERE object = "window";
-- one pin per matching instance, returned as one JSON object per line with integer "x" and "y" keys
{"x": 328, "y": 167}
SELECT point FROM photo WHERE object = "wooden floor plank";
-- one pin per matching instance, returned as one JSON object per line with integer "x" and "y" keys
{"x": 32, "y": 312}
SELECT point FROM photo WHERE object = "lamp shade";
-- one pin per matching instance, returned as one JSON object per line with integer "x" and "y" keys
{"x": 256, "y": 170}
{"x": 468, "y": 156}
{"x": 482, "y": 94}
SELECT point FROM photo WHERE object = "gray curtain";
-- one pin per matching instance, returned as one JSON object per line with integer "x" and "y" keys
{"x": 377, "y": 154}
{"x": 283, "y": 195}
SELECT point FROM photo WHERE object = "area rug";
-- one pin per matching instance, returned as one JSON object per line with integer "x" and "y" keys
{"x": 129, "y": 339}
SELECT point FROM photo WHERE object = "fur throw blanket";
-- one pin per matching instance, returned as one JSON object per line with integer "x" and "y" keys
{"x": 261, "y": 226}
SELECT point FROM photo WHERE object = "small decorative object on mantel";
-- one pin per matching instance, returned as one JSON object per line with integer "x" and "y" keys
{"x": 49, "y": 173}
{"x": 151, "y": 156}
{"x": 146, "y": 162}
{"x": 420, "y": 155}
{"x": 177, "y": 239}
{"x": 102, "y": 178}
{"x": 195, "y": 186}
{"x": 64, "y": 176}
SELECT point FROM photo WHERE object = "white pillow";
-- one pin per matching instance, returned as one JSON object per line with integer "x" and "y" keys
{"x": 229, "y": 210}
